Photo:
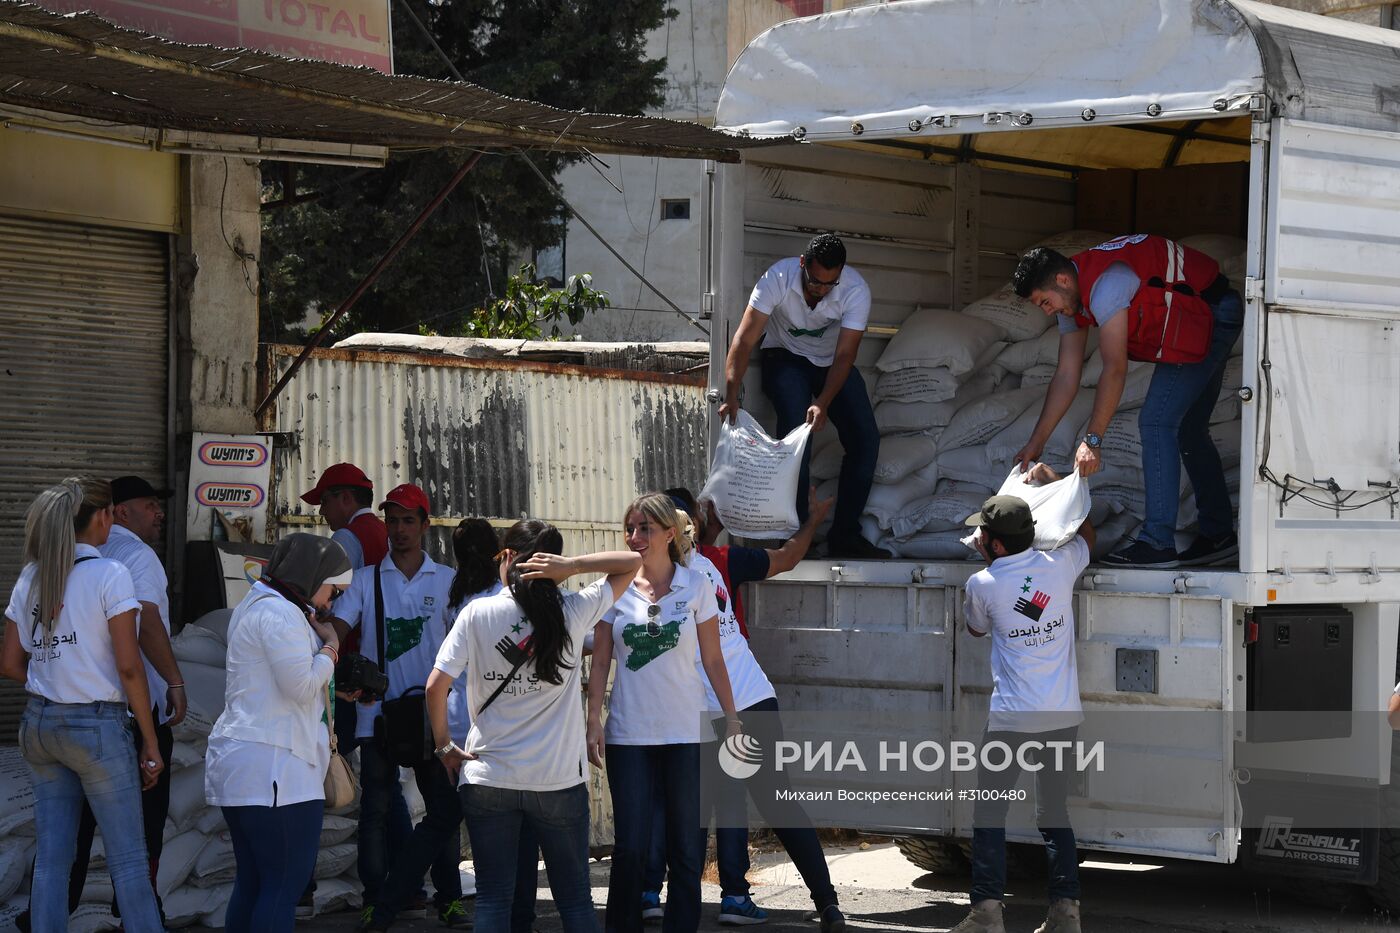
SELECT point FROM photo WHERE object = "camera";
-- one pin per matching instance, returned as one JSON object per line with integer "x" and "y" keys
{"x": 357, "y": 672}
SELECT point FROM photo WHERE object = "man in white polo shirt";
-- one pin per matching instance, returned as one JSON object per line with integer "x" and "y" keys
{"x": 810, "y": 312}
{"x": 413, "y": 590}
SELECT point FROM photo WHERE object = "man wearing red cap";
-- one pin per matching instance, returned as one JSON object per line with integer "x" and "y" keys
{"x": 396, "y": 605}
{"x": 346, "y": 497}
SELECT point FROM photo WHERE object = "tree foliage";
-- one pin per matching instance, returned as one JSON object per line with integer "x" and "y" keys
{"x": 528, "y": 305}
{"x": 575, "y": 54}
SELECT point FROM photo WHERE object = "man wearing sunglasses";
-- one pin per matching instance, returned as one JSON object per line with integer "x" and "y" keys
{"x": 810, "y": 312}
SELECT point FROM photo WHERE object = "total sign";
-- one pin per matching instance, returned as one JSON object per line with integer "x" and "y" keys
{"x": 229, "y": 476}
{"x": 351, "y": 32}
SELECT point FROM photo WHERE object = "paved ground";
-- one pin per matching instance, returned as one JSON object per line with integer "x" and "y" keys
{"x": 883, "y": 893}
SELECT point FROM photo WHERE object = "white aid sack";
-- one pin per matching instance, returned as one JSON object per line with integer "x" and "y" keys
{"x": 332, "y": 861}
{"x": 204, "y": 685}
{"x": 932, "y": 545}
{"x": 185, "y": 906}
{"x": 918, "y": 384}
{"x": 1037, "y": 376}
{"x": 1017, "y": 317}
{"x": 15, "y": 856}
{"x": 216, "y": 622}
{"x": 1043, "y": 351}
{"x": 16, "y": 791}
{"x": 969, "y": 465}
{"x": 177, "y": 859}
{"x": 826, "y": 457}
{"x": 187, "y": 796}
{"x": 945, "y": 510}
{"x": 1226, "y": 250}
{"x": 1058, "y": 508}
{"x": 753, "y": 479}
{"x": 983, "y": 419}
{"x": 930, "y": 338}
{"x": 887, "y": 501}
{"x": 1093, "y": 369}
{"x": 1071, "y": 241}
{"x": 196, "y": 645}
{"x": 893, "y": 416}
{"x": 901, "y": 455}
{"x": 1059, "y": 449}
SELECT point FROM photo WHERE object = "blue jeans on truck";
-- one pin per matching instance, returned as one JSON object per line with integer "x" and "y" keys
{"x": 1175, "y": 427}
{"x": 85, "y": 752}
{"x": 791, "y": 382}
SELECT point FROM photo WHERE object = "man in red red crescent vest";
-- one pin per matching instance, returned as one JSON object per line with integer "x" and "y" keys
{"x": 1156, "y": 301}
{"x": 346, "y": 497}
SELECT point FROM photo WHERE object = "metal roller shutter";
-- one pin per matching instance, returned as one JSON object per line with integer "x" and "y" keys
{"x": 84, "y": 370}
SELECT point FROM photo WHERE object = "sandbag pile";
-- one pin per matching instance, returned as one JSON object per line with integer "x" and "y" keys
{"x": 958, "y": 395}
{"x": 197, "y": 866}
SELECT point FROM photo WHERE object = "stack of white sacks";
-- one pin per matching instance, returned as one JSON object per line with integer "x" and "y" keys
{"x": 958, "y": 394}
{"x": 197, "y": 865}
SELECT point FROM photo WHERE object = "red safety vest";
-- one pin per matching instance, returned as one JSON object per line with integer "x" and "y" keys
{"x": 1168, "y": 320}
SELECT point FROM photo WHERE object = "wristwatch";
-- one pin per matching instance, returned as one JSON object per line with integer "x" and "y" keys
{"x": 1093, "y": 440}
{"x": 445, "y": 750}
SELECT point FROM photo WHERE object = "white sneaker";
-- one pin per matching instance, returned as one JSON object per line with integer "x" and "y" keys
{"x": 984, "y": 917}
{"x": 1062, "y": 918}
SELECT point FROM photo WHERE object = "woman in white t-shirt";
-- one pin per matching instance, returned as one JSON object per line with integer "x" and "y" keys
{"x": 70, "y": 638}
{"x": 269, "y": 750}
{"x": 524, "y": 766}
{"x": 658, "y": 713}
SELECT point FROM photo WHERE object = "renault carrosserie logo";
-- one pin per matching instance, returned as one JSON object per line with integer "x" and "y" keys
{"x": 740, "y": 756}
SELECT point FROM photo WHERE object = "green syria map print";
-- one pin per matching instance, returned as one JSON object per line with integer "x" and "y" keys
{"x": 403, "y": 635}
{"x": 647, "y": 647}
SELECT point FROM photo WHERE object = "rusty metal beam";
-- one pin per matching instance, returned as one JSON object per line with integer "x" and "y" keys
{"x": 370, "y": 278}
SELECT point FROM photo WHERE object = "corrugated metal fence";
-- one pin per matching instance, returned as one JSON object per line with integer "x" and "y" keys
{"x": 498, "y": 439}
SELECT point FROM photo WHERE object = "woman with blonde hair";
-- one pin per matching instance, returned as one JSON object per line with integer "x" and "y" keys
{"x": 70, "y": 638}
{"x": 657, "y": 718}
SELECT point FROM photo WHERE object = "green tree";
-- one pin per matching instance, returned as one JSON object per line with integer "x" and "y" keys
{"x": 575, "y": 54}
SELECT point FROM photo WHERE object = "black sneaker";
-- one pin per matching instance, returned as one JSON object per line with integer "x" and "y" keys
{"x": 855, "y": 548}
{"x": 1204, "y": 551}
{"x": 1143, "y": 555}
{"x": 832, "y": 920}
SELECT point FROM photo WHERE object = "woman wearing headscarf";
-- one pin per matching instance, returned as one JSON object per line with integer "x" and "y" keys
{"x": 70, "y": 638}
{"x": 268, "y": 753}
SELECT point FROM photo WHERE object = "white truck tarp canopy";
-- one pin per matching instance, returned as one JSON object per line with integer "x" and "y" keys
{"x": 921, "y": 68}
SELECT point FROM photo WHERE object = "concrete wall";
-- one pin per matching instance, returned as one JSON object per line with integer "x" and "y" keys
{"x": 216, "y": 277}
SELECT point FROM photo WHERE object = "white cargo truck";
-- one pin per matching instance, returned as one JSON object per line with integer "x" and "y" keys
{"x": 940, "y": 138}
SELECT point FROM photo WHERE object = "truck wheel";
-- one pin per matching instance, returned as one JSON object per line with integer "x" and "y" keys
{"x": 937, "y": 854}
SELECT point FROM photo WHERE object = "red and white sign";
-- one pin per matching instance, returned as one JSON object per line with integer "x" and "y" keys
{"x": 229, "y": 474}
{"x": 350, "y": 32}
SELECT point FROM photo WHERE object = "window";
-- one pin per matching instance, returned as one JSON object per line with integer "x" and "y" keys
{"x": 675, "y": 208}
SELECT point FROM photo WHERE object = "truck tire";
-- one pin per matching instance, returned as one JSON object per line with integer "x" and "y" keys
{"x": 939, "y": 855}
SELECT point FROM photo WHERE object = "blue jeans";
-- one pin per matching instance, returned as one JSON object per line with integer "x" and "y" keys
{"x": 77, "y": 752}
{"x": 275, "y": 849}
{"x": 1051, "y": 816}
{"x": 558, "y": 824}
{"x": 385, "y": 827}
{"x": 791, "y": 382}
{"x": 527, "y": 877}
{"x": 726, "y": 797}
{"x": 633, "y": 772}
{"x": 1175, "y": 427}
{"x": 439, "y": 832}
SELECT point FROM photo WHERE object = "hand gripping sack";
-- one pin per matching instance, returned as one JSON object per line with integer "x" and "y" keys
{"x": 753, "y": 479}
{"x": 1058, "y": 508}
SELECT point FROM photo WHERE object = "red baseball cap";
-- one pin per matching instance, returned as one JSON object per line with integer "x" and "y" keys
{"x": 408, "y": 496}
{"x": 340, "y": 474}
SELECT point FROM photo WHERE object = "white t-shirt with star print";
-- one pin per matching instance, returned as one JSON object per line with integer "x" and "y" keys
{"x": 531, "y": 737}
{"x": 1025, "y": 604}
{"x": 746, "y": 678}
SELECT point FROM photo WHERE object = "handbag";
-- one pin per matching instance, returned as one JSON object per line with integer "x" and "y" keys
{"x": 341, "y": 785}
{"x": 403, "y": 727}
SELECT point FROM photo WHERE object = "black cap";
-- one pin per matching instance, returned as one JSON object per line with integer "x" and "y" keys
{"x": 126, "y": 488}
{"x": 1004, "y": 516}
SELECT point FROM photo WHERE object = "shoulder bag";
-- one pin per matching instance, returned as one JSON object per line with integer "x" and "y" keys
{"x": 407, "y": 736}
